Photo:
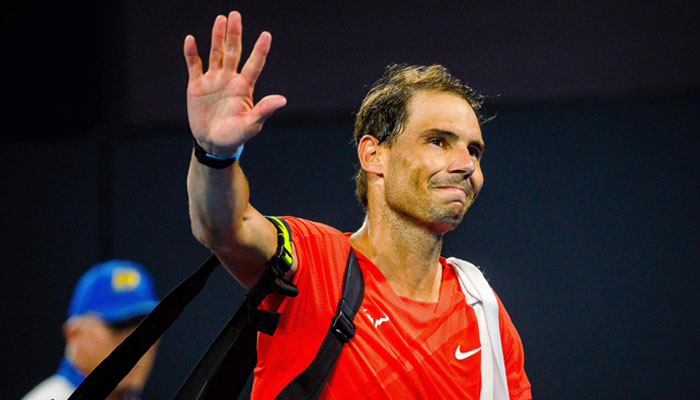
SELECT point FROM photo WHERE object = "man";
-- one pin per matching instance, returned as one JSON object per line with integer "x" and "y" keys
{"x": 419, "y": 146}
{"x": 108, "y": 302}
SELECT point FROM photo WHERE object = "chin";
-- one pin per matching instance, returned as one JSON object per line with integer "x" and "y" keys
{"x": 446, "y": 222}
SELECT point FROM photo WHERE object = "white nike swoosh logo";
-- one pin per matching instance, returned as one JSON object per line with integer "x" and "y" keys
{"x": 461, "y": 356}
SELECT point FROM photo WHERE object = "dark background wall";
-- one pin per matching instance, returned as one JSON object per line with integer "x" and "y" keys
{"x": 587, "y": 226}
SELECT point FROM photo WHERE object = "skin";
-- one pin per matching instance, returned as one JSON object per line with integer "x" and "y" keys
{"x": 223, "y": 116}
{"x": 418, "y": 189}
{"x": 89, "y": 340}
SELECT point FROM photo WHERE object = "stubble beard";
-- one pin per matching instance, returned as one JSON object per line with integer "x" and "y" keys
{"x": 445, "y": 215}
{"x": 444, "y": 218}
{"x": 438, "y": 218}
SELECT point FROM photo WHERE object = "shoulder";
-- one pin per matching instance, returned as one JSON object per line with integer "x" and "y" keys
{"x": 316, "y": 242}
{"x": 475, "y": 283}
{"x": 303, "y": 228}
{"x": 55, "y": 387}
{"x": 472, "y": 281}
{"x": 321, "y": 252}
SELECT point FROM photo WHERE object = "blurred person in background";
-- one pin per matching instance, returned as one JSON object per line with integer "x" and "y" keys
{"x": 108, "y": 302}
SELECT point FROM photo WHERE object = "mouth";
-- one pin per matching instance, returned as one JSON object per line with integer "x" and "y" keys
{"x": 458, "y": 189}
{"x": 455, "y": 191}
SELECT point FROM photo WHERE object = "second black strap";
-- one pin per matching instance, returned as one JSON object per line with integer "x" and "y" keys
{"x": 310, "y": 383}
{"x": 237, "y": 340}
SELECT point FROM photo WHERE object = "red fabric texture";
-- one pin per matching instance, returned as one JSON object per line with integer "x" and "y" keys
{"x": 402, "y": 349}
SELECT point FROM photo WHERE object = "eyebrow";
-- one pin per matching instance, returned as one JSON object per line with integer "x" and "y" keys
{"x": 451, "y": 136}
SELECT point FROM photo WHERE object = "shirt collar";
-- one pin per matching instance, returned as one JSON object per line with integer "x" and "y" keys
{"x": 68, "y": 371}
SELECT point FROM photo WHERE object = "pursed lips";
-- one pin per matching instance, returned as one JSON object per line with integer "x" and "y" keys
{"x": 461, "y": 189}
{"x": 467, "y": 193}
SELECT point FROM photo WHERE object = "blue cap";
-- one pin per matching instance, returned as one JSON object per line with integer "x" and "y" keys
{"x": 116, "y": 290}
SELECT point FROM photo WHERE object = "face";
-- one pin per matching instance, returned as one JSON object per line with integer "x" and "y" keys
{"x": 433, "y": 171}
{"x": 90, "y": 340}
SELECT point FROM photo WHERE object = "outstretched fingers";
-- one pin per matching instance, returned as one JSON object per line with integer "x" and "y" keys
{"x": 232, "y": 50}
{"x": 194, "y": 63}
{"x": 252, "y": 68}
{"x": 218, "y": 35}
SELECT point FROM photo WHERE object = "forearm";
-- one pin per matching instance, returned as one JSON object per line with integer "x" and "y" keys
{"x": 218, "y": 199}
{"x": 223, "y": 220}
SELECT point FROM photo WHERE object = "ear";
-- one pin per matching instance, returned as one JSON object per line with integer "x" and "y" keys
{"x": 71, "y": 328}
{"x": 371, "y": 155}
{"x": 71, "y": 335}
{"x": 68, "y": 329}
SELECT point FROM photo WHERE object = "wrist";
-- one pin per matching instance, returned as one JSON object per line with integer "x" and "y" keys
{"x": 215, "y": 161}
{"x": 219, "y": 151}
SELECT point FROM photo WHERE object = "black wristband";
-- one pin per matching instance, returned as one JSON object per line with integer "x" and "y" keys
{"x": 213, "y": 161}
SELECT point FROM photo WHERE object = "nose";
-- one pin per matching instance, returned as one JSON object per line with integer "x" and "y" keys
{"x": 462, "y": 162}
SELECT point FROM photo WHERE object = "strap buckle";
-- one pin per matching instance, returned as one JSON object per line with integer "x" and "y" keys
{"x": 342, "y": 323}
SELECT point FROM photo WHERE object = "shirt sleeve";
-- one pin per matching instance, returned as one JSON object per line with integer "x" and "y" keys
{"x": 514, "y": 356}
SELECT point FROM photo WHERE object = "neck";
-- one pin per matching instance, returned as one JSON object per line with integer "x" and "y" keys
{"x": 407, "y": 254}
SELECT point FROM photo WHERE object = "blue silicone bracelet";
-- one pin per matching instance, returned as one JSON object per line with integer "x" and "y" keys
{"x": 213, "y": 161}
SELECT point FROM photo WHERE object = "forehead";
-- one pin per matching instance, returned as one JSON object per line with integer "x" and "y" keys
{"x": 443, "y": 111}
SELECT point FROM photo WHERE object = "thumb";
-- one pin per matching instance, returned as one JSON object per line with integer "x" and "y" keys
{"x": 267, "y": 106}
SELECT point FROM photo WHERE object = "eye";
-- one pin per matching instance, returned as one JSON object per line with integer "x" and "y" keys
{"x": 475, "y": 152}
{"x": 438, "y": 142}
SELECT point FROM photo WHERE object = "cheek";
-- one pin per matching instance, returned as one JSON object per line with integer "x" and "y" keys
{"x": 93, "y": 348}
{"x": 107, "y": 343}
{"x": 410, "y": 171}
{"x": 405, "y": 176}
{"x": 477, "y": 180}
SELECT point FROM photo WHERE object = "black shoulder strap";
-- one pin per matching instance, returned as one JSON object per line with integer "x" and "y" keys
{"x": 310, "y": 383}
{"x": 103, "y": 379}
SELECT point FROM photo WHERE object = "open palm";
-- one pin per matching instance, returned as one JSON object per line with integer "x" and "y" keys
{"x": 220, "y": 106}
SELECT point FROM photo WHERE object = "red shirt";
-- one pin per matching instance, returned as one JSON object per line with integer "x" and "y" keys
{"x": 403, "y": 348}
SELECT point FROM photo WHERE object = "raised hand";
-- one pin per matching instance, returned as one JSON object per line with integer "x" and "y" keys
{"x": 220, "y": 105}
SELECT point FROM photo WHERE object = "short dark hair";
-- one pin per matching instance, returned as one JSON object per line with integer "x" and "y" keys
{"x": 383, "y": 112}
